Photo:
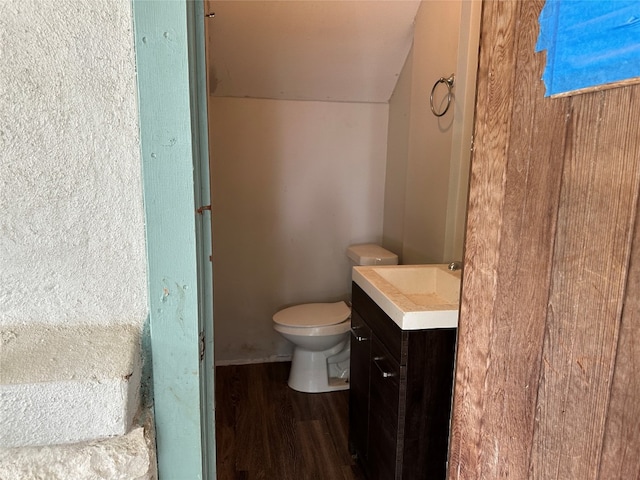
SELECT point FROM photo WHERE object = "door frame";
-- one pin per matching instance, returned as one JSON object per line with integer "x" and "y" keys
{"x": 169, "y": 49}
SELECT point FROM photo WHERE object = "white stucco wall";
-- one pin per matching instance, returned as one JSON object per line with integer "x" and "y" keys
{"x": 71, "y": 215}
{"x": 130, "y": 457}
{"x": 61, "y": 385}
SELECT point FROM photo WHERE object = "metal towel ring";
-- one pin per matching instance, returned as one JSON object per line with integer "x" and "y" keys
{"x": 449, "y": 83}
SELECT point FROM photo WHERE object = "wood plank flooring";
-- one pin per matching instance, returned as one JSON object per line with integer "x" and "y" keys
{"x": 267, "y": 431}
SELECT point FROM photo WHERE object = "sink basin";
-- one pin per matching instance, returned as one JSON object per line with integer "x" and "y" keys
{"x": 416, "y": 297}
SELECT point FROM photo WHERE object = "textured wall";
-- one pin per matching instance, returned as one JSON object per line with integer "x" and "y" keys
{"x": 130, "y": 457}
{"x": 71, "y": 228}
{"x": 80, "y": 383}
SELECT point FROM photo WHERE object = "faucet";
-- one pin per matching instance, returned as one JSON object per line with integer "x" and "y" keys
{"x": 455, "y": 266}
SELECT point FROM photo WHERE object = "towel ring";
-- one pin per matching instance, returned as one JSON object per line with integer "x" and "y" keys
{"x": 449, "y": 83}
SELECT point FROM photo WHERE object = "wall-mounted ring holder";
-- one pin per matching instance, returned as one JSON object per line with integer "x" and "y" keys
{"x": 449, "y": 84}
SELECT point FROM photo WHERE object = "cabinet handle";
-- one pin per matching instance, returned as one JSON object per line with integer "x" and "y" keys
{"x": 357, "y": 336}
{"x": 383, "y": 372}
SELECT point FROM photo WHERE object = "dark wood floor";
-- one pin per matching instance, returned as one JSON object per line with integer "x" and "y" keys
{"x": 266, "y": 431}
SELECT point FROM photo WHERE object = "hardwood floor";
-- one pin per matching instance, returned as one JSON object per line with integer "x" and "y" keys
{"x": 267, "y": 431}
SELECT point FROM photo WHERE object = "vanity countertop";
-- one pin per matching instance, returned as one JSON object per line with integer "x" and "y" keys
{"x": 416, "y": 297}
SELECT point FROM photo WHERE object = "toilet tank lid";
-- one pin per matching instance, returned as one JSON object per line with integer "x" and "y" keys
{"x": 371, "y": 254}
{"x": 313, "y": 314}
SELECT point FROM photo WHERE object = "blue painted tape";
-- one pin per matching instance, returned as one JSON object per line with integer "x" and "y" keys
{"x": 589, "y": 43}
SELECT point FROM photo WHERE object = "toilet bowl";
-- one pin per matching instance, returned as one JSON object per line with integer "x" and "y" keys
{"x": 320, "y": 333}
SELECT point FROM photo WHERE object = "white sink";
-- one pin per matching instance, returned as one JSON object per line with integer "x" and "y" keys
{"x": 416, "y": 297}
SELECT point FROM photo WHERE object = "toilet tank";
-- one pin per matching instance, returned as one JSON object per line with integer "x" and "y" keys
{"x": 371, "y": 254}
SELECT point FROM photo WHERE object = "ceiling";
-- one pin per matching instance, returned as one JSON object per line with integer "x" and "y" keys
{"x": 326, "y": 50}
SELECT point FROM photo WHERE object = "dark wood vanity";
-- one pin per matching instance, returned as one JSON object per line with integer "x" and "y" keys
{"x": 400, "y": 395}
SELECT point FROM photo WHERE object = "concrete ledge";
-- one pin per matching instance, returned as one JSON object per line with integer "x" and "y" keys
{"x": 130, "y": 457}
{"x": 67, "y": 384}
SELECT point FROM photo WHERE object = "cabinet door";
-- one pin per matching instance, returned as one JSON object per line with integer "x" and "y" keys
{"x": 359, "y": 387}
{"x": 385, "y": 444}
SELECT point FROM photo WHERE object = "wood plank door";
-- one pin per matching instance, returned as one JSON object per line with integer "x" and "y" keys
{"x": 546, "y": 380}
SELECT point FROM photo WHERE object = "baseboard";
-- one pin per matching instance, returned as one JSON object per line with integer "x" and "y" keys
{"x": 247, "y": 361}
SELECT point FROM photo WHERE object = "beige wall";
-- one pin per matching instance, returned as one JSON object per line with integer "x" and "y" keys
{"x": 397, "y": 158}
{"x": 425, "y": 194}
{"x": 293, "y": 184}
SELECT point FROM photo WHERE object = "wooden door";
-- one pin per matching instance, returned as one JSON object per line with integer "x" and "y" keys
{"x": 547, "y": 382}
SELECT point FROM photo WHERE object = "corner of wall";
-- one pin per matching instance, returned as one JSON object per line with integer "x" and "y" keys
{"x": 146, "y": 380}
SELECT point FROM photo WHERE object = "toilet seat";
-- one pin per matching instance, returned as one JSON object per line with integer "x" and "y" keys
{"x": 313, "y": 315}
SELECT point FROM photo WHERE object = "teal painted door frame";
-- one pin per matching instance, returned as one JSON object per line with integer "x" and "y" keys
{"x": 197, "y": 61}
{"x": 169, "y": 45}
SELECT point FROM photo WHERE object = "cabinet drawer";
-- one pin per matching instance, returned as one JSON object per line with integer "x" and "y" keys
{"x": 390, "y": 334}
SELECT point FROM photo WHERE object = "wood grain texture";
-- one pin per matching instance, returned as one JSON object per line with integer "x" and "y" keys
{"x": 531, "y": 191}
{"x": 482, "y": 248}
{"x": 547, "y": 341}
{"x": 620, "y": 459}
{"x": 597, "y": 212}
{"x": 267, "y": 431}
{"x": 597, "y": 88}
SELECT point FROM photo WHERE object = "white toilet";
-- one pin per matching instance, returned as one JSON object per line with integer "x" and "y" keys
{"x": 320, "y": 333}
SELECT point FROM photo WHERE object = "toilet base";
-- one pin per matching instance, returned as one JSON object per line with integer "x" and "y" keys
{"x": 310, "y": 370}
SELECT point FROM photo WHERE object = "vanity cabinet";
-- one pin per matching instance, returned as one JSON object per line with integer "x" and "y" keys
{"x": 400, "y": 395}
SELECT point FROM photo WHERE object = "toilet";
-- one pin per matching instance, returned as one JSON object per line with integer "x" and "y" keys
{"x": 320, "y": 333}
